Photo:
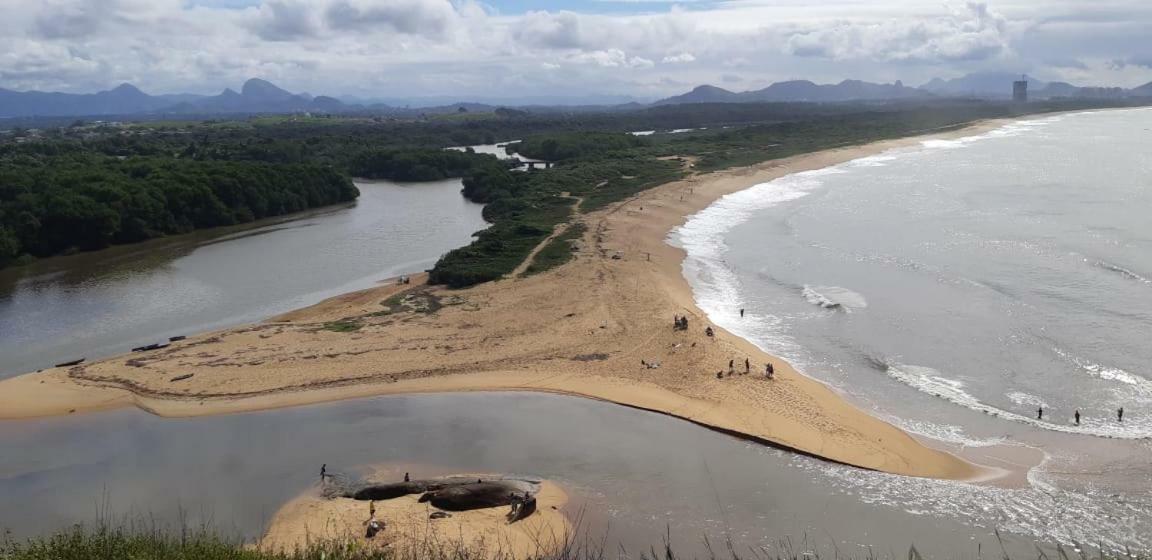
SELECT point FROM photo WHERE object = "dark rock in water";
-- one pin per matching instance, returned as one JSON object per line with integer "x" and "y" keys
{"x": 478, "y": 495}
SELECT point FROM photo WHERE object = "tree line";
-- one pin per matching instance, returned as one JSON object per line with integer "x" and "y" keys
{"x": 79, "y": 200}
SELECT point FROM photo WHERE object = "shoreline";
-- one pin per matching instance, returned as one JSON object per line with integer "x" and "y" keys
{"x": 794, "y": 411}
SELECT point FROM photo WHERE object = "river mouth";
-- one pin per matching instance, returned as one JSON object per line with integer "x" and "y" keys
{"x": 635, "y": 474}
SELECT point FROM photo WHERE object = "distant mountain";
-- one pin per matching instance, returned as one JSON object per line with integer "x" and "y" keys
{"x": 800, "y": 90}
{"x": 125, "y": 98}
{"x": 260, "y": 96}
{"x": 980, "y": 84}
{"x": 702, "y": 94}
{"x": 1142, "y": 91}
{"x": 256, "y": 96}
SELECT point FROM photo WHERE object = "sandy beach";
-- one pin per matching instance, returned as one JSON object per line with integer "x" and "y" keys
{"x": 311, "y": 519}
{"x": 583, "y": 329}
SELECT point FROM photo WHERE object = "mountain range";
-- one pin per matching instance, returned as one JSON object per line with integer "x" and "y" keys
{"x": 261, "y": 96}
{"x": 986, "y": 85}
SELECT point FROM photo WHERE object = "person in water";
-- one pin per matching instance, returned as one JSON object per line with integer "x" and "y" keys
{"x": 741, "y": 312}
{"x": 1077, "y": 417}
{"x": 1120, "y": 414}
{"x": 323, "y": 472}
{"x": 1040, "y": 413}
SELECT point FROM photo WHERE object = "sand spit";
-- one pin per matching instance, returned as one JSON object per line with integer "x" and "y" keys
{"x": 583, "y": 329}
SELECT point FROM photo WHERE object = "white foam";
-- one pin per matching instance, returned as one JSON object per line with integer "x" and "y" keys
{"x": 933, "y": 382}
{"x": 834, "y": 297}
{"x": 1021, "y": 398}
{"x": 945, "y": 432}
{"x": 643, "y": 133}
{"x": 1041, "y": 510}
{"x": 1141, "y": 386}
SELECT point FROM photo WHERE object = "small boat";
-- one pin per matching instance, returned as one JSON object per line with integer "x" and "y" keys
{"x": 176, "y": 338}
{"x": 70, "y": 364}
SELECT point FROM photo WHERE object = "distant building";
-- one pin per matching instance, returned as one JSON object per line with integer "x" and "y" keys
{"x": 1020, "y": 90}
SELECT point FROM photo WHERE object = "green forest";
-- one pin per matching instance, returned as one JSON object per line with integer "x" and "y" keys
{"x": 56, "y": 204}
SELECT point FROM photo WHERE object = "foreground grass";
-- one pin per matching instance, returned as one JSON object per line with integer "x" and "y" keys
{"x": 105, "y": 543}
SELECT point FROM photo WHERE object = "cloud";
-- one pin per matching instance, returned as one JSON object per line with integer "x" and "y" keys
{"x": 681, "y": 58}
{"x": 611, "y": 58}
{"x": 462, "y": 47}
{"x": 285, "y": 20}
{"x": 413, "y": 17}
{"x": 971, "y": 33}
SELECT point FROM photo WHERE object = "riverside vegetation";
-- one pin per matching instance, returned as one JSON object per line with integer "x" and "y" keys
{"x": 87, "y": 187}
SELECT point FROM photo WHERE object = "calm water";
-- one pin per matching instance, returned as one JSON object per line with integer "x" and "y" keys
{"x": 957, "y": 286}
{"x": 110, "y": 301}
{"x": 641, "y": 473}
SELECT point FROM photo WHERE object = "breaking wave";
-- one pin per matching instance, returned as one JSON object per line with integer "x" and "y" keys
{"x": 1126, "y": 273}
{"x": 834, "y": 298}
{"x": 931, "y": 381}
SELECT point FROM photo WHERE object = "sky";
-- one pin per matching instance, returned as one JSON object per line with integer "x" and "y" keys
{"x": 564, "y": 48}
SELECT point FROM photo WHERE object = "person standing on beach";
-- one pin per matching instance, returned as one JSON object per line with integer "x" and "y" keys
{"x": 747, "y": 365}
{"x": 406, "y": 479}
{"x": 769, "y": 371}
{"x": 323, "y": 472}
{"x": 1120, "y": 414}
{"x": 1077, "y": 417}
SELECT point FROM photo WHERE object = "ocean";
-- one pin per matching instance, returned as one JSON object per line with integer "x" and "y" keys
{"x": 956, "y": 287}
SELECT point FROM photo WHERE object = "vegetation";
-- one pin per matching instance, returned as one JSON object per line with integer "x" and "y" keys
{"x": 572, "y": 145}
{"x": 52, "y": 204}
{"x": 417, "y": 165}
{"x": 79, "y": 543}
{"x": 558, "y": 251}
{"x": 525, "y": 207}
{"x": 84, "y": 186}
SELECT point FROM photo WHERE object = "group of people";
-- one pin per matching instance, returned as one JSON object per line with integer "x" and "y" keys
{"x": 680, "y": 323}
{"x": 521, "y": 506}
{"x": 769, "y": 370}
{"x": 1076, "y": 416}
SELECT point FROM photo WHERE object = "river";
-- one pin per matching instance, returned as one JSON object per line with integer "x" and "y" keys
{"x": 106, "y": 302}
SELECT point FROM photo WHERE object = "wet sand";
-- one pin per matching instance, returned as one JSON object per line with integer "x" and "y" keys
{"x": 582, "y": 329}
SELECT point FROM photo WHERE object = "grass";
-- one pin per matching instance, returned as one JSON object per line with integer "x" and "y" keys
{"x": 103, "y": 543}
{"x": 558, "y": 251}
{"x": 343, "y": 326}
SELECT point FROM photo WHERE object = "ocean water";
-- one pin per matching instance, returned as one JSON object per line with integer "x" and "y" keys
{"x": 956, "y": 286}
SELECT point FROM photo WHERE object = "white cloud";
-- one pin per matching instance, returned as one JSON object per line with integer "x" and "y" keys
{"x": 437, "y": 47}
{"x": 681, "y": 58}
{"x": 611, "y": 58}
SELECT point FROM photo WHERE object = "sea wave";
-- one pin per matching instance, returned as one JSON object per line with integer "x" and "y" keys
{"x": 1124, "y": 272}
{"x": 933, "y": 382}
{"x": 834, "y": 298}
{"x": 1136, "y": 384}
{"x": 1042, "y": 510}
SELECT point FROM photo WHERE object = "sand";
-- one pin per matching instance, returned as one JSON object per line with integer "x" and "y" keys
{"x": 582, "y": 329}
{"x": 311, "y": 519}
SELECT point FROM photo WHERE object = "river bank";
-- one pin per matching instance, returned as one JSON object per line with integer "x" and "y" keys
{"x": 583, "y": 329}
